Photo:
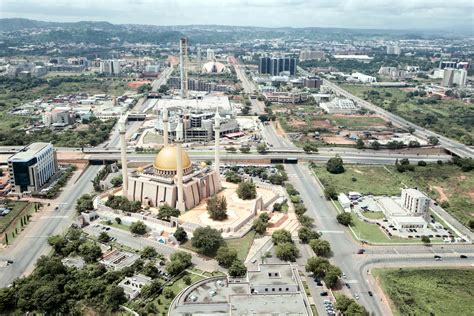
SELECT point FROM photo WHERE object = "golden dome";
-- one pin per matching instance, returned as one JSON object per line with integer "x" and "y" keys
{"x": 166, "y": 159}
{"x": 140, "y": 169}
{"x": 203, "y": 164}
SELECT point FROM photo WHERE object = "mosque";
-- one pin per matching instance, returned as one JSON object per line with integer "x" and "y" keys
{"x": 172, "y": 178}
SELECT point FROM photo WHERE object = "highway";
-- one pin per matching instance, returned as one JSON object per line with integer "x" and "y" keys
{"x": 162, "y": 79}
{"x": 452, "y": 145}
{"x": 32, "y": 242}
{"x": 249, "y": 88}
{"x": 357, "y": 158}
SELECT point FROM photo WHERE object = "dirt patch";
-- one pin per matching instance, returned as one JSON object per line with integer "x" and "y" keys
{"x": 279, "y": 130}
{"x": 298, "y": 123}
{"x": 322, "y": 124}
{"x": 358, "y": 171}
{"x": 338, "y": 140}
{"x": 442, "y": 195}
{"x": 462, "y": 177}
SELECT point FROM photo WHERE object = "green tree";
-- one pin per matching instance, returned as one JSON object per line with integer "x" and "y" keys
{"x": 335, "y": 165}
{"x": 375, "y": 145}
{"x": 306, "y": 234}
{"x": 118, "y": 220}
{"x": 281, "y": 236}
{"x": 180, "y": 235}
{"x": 225, "y": 256}
{"x": 168, "y": 293}
{"x": 360, "y": 144}
{"x": 244, "y": 149}
{"x": 179, "y": 261}
{"x": 320, "y": 247}
{"x": 310, "y": 147}
{"x": 90, "y": 252}
{"x": 433, "y": 140}
{"x": 330, "y": 192}
{"x": 149, "y": 252}
{"x": 261, "y": 148}
{"x": 317, "y": 266}
{"x": 165, "y": 212}
{"x": 344, "y": 218}
{"x": 138, "y": 228}
{"x": 150, "y": 270}
{"x": 286, "y": 251}
{"x": 187, "y": 280}
{"x": 217, "y": 207}
{"x": 425, "y": 239}
{"x": 232, "y": 176}
{"x": 58, "y": 243}
{"x": 247, "y": 190}
{"x": 332, "y": 276}
{"x": 207, "y": 240}
{"x": 163, "y": 88}
{"x": 84, "y": 203}
{"x": 116, "y": 181}
{"x": 103, "y": 237}
{"x": 237, "y": 269}
{"x": 114, "y": 297}
{"x": 342, "y": 303}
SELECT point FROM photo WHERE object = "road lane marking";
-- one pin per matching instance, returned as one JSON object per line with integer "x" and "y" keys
{"x": 332, "y": 231}
{"x": 351, "y": 281}
{"x": 57, "y": 216}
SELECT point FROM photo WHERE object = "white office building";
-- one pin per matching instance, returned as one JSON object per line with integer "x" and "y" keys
{"x": 340, "y": 106}
{"x": 110, "y": 67}
{"x": 357, "y": 76}
{"x": 32, "y": 167}
{"x": 210, "y": 56}
{"x": 415, "y": 202}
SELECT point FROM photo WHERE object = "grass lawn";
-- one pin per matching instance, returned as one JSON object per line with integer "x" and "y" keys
{"x": 424, "y": 291}
{"x": 119, "y": 226}
{"x": 374, "y": 215}
{"x": 241, "y": 245}
{"x": 356, "y": 122}
{"x": 435, "y": 180}
{"x": 10, "y": 225}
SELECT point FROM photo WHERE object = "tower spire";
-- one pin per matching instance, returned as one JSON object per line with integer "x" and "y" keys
{"x": 217, "y": 137}
{"x": 179, "y": 164}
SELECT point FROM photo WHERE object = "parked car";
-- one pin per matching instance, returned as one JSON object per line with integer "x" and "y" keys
{"x": 323, "y": 294}
{"x": 463, "y": 256}
{"x": 361, "y": 251}
{"x": 370, "y": 293}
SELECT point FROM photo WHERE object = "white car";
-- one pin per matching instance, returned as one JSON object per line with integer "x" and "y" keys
{"x": 356, "y": 296}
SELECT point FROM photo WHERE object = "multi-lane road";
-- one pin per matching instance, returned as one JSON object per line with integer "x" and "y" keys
{"x": 32, "y": 242}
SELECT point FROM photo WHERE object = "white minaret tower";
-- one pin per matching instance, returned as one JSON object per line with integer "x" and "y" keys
{"x": 217, "y": 137}
{"x": 198, "y": 48}
{"x": 179, "y": 166}
{"x": 165, "y": 127}
{"x": 123, "y": 154}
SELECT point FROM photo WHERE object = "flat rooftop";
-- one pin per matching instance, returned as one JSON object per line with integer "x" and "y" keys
{"x": 272, "y": 304}
{"x": 391, "y": 207}
{"x": 415, "y": 193}
{"x": 409, "y": 219}
{"x": 29, "y": 151}
{"x": 272, "y": 274}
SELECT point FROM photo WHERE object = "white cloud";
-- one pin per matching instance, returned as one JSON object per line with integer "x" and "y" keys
{"x": 387, "y": 14}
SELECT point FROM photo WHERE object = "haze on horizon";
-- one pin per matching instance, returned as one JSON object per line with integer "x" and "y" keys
{"x": 451, "y": 16}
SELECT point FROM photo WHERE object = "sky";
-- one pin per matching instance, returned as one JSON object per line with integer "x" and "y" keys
{"x": 376, "y": 14}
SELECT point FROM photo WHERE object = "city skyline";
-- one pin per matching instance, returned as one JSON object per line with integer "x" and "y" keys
{"x": 402, "y": 15}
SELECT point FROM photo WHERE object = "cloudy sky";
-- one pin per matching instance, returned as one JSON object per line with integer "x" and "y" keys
{"x": 384, "y": 14}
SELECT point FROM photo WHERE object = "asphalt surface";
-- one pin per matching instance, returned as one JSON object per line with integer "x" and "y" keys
{"x": 32, "y": 242}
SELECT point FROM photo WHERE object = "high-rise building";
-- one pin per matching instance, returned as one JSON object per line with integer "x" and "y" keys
{"x": 453, "y": 77}
{"x": 394, "y": 50}
{"x": 110, "y": 67}
{"x": 312, "y": 82}
{"x": 210, "y": 55}
{"x": 276, "y": 65}
{"x": 32, "y": 167}
{"x": 307, "y": 54}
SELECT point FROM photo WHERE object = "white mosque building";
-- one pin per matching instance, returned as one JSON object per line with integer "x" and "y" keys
{"x": 172, "y": 178}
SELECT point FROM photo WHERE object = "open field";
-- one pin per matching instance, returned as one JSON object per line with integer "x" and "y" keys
{"x": 374, "y": 215}
{"x": 357, "y": 121}
{"x": 242, "y": 245}
{"x": 372, "y": 233}
{"x": 426, "y": 291}
{"x": 10, "y": 225}
{"x": 438, "y": 181}
{"x": 449, "y": 117}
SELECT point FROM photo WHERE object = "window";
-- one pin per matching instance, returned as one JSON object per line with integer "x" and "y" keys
{"x": 273, "y": 289}
{"x": 279, "y": 290}
{"x": 287, "y": 289}
{"x": 266, "y": 289}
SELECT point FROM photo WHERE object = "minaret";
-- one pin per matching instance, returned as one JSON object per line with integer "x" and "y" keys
{"x": 217, "y": 137}
{"x": 123, "y": 156}
{"x": 165, "y": 127}
{"x": 179, "y": 166}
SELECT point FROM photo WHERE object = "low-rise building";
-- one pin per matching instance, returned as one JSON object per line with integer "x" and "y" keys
{"x": 132, "y": 286}
{"x": 286, "y": 97}
{"x": 117, "y": 260}
{"x": 340, "y": 106}
{"x": 357, "y": 76}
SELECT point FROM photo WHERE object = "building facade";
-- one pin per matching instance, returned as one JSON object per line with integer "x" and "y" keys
{"x": 276, "y": 65}
{"x": 32, "y": 167}
{"x": 415, "y": 202}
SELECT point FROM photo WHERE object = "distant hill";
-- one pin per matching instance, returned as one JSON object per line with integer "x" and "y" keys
{"x": 17, "y": 24}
